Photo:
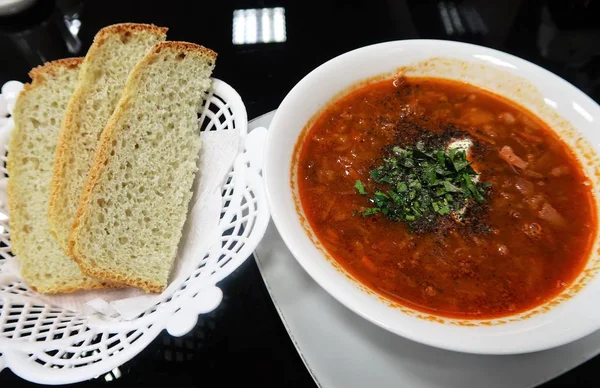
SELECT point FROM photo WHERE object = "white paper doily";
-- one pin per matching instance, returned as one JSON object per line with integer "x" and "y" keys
{"x": 50, "y": 345}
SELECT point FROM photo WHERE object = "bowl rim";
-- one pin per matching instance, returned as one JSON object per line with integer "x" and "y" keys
{"x": 320, "y": 278}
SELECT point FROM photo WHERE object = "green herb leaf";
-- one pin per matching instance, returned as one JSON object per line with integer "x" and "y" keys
{"x": 395, "y": 197}
{"x": 452, "y": 154}
{"x": 443, "y": 209}
{"x": 421, "y": 154}
{"x": 429, "y": 174}
{"x": 381, "y": 194}
{"x": 474, "y": 191}
{"x": 408, "y": 162}
{"x": 459, "y": 160}
{"x": 360, "y": 187}
{"x": 441, "y": 157}
{"x": 398, "y": 151}
{"x": 450, "y": 188}
{"x": 460, "y": 164}
{"x": 415, "y": 184}
{"x": 370, "y": 211}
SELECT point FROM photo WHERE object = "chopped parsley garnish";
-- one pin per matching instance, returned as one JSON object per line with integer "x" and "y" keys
{"x": 417, "y": 184}
{"x": 360, "y": 187}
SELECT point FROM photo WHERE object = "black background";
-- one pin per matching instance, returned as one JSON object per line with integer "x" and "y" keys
{"x": 245, "y": 334}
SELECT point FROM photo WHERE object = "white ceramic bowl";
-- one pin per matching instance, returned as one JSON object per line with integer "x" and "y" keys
{"x": 573, "y": 115}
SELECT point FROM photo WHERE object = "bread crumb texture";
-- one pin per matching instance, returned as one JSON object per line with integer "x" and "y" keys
{"x": 37, "y": 114}
{"x": 135, "y": 204}
{"x": 110, "y": 59}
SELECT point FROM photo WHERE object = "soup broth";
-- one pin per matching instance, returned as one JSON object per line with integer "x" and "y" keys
{"x": 522, "y": 245}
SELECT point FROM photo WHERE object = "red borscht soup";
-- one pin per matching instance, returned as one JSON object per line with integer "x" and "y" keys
{"x": 446, "y": 198}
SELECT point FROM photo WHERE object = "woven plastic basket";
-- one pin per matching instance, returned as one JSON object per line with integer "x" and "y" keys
{"x": 50, "y": 345}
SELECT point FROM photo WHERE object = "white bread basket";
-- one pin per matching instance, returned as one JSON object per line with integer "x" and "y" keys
{"x": 50, "y": 345}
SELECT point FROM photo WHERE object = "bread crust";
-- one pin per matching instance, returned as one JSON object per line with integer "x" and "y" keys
{"x": 102, "y": 156}
{"x": 89, "y": 285}
{"x": 125, "y": 28}
{"x": 66, "y": 132}
{"x": 38, "y": 73}
{"x": 186, "y": 47}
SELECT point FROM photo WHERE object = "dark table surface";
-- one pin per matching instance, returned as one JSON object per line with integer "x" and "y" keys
{"x": 244, "y": 339}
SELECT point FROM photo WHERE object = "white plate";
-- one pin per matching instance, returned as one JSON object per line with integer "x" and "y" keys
{"x": 341, "y": 349}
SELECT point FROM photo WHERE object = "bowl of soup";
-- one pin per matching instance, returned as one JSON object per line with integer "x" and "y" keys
{"x": 444, "y": 191}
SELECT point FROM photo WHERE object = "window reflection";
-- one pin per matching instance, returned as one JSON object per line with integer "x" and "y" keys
{"x": 461, "y": 19}
{"x": 551, "y": 103}
{"x": 579, "y": 109}
{"x": 259, "y": 25}
{"x": 495, "y": 61}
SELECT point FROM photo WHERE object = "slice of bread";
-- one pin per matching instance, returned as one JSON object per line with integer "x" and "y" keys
{"x": 135, "y": 202}
{"x": 115, "y": 51}
{"x": 37, "y": 114}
